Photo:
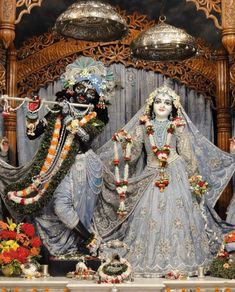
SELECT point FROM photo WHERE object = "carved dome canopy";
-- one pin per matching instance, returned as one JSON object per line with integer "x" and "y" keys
{"x": 91, "y": 21}
{"x": 163, "y": 42}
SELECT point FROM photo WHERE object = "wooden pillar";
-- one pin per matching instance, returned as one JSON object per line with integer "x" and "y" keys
{"x": 228, "y": 25}
{"x": 11, "y": 89}
{"x": 7, "y": 35}
{"x": 223, "y": 120}
{"x": 7, "y": 21}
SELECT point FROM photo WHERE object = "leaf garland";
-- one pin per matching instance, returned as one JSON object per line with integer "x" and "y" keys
{"x": 122, "y": 269}
{"x": 36, "y": 207}
{"x": 93, "y": 127}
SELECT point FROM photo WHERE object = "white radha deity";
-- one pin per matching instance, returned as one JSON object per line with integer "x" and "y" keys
{"x": 171, "y": 181}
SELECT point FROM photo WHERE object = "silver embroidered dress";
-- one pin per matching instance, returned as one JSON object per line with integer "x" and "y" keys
{"x": 169, "y": 230}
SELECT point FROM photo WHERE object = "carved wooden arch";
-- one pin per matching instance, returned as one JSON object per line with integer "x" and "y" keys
{"x": 43, "y": 59}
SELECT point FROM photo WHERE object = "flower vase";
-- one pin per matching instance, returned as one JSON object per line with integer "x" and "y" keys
{"x": 11, "y": 271}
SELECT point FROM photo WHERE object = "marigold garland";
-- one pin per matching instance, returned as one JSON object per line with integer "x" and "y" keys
{"x": 93, "y": 127}
{"x": 41, "y": 155}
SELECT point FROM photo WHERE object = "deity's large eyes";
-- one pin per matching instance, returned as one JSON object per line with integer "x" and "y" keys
{"x": 79, "y": 88}
{"x": 166, "y": 101}
{"x": 85, "y": 92}
{"x": 157, "y": 100}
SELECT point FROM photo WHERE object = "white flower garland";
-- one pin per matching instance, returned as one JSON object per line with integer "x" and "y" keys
{"x": 121, "y": 184}
{"x": 104, "y": 278}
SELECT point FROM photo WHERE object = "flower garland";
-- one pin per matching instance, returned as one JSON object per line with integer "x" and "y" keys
{"x": 33, "y": 187}
{"x": 16, "y": 196}
{"x": 40, "y": 166}
{"x": 121, "y": 184}
{"x": 105, "y": 276}
{"x": 198, "y": 186}
{"x": 38, "y": 186}
{"x": 76, "y": 123}
{"x": 162, "y": 153}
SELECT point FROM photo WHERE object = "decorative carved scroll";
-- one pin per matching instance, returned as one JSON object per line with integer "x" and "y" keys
{"x": 211, "y": 8}
{"x": 48, "y": 64}
{"x": 28, "y": 5}
{"x": 2, "y": 79}
{"x": 232, "y": 81}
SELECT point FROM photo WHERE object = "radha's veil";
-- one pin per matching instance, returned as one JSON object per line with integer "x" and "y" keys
{"x": 215, "y": 165}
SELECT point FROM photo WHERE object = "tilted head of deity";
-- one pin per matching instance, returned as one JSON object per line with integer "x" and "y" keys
{"x": 162, "y": 103}
{"x": 87, "y": 81}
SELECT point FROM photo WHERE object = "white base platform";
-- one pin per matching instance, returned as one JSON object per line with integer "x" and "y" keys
{"x": 62, "y": 284}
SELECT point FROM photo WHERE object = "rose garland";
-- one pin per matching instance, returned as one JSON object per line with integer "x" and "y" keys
{"x": 162, "y": 153}
{"x": 121, "y": 184}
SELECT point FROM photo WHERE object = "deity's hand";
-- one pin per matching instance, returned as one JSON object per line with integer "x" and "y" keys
{"x": 232, "y": 145}
{"x": 4, "y": 145}
{"x": 94, "y": 244}
{"x": 73, "y": 126}
{"x": 179, "y": 123}
{"x": 83, "y": 135}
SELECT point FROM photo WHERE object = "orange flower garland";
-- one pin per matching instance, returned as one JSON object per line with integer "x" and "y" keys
{"x": 51, "y": 165}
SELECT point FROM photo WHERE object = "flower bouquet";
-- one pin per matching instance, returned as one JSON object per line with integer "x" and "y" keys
{"x": 18, "y": 245}
{"x": 198, "y": 186}
{"x": 224, "y": 264}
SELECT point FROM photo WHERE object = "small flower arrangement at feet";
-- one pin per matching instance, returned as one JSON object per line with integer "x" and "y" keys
{"x": 116, "y": 270}
{"x": 198, "y": 186}
{"x": 18, "y": 245}
{"x": 223, "y": 265}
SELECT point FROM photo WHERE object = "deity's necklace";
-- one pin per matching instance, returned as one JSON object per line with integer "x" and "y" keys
{"x": 162, "y": 153}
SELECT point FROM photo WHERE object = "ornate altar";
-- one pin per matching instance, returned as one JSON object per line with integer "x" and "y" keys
{"x": 43, "y": 59}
